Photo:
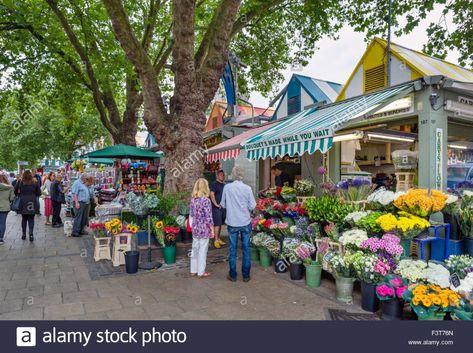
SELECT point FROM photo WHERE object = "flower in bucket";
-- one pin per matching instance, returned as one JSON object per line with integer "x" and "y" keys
{"x": 114, "y": 226}
{"x": 392, "y": 288}
{"x": 170, "y": 235}
{"x": 159, "y": 231}
{"x": 280, "y": 230}
{"x": 421, "y": 202}
{"x": 98, "y": 229}
{"x": 131, "y": 228}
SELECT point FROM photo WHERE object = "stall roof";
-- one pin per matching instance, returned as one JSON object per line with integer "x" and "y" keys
{"x": 230, "y": 149}
{"x": 313, "y": 129}
{"x": 123, "y": 151}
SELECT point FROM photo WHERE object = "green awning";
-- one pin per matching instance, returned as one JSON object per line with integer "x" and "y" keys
{"x": 124, "y": 151}
{"x": 313, "y": 129}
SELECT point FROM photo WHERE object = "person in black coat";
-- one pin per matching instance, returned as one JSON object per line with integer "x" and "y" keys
{"x": 28, "y": 190}
{"x": 57, "y": 198}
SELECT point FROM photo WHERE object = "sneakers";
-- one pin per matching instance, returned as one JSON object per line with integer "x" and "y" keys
{"x": 217, "y": 244}
{"x": 232, "y": 279}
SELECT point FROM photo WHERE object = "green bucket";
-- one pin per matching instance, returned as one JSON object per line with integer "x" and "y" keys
{"x": 344, "y": 287}
{"x": 313, "y": 273}
{"x": 254, "y": 253}
{"x": 169, "y": 253}
{"x": 265, "y": 258}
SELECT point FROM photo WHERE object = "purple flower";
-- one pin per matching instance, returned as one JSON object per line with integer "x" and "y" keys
{"x": 322, "y": 170}
{"x": 343, "y": 185}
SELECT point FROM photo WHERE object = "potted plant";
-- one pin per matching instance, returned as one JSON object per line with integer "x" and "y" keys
{"x": 344, "y": 276}
{"x": 451, "y": 215}
{"x": 355, "y": 191}
{"x": 166, "y": 236}
{"x": 431, "y": 302}
{"x": 462, "y": 265}
{"x": 466, "y": 220}
{"x": 313, "y": 268}
{"x": 280, "y": 231}
{"x": 102, "y": 241}
{"x": 390, "y": 293}
{"x": 304, "y": 188}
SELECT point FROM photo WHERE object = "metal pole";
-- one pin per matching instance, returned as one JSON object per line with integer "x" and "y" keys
{"x": 389, "y": 46}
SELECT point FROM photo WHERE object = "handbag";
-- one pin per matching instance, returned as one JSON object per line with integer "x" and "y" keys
{"x": 16, "y": 203}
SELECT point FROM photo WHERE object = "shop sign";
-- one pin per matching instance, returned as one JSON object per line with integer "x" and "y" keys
{"x": 401, "y": 106}
{"x": 438, "y": 158}
{"x": 284, "y": 140}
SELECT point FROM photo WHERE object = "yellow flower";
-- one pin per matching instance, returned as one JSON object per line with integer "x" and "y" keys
{"x": 427, "y": 302}
{"x": 436, "y": 300}
{"x": 262, "y": 221}
{"x": 416, "y": 300}
{"x": 159, "y": 224}
{"x": 114, "y": 231}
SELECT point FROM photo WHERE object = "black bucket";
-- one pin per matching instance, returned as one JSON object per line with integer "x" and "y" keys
{"x": 280, "y": 266}
{"x": 296, "y": 271}
{"x": 132, "y": 259}
{"x": 369, "y": 299}
{"x": 392, "y": 309}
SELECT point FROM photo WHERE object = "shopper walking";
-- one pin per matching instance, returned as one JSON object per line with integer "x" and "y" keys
{"x": 28, "y": 190}
{"x": 81, "y": 200}
{"x": 6, "y": 197}
{"x": 218, "y": 212}
{"x": 46, "y": 193}
{"x": 57, "y": 199}
{"x": 239, "y": 201}
{"x": 202, "y": 227}
{"x": 17, "y": 179}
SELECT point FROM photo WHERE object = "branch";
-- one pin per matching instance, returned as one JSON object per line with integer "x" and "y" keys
{"x": 85, "y": 59}
{"x": 150, "y": 24}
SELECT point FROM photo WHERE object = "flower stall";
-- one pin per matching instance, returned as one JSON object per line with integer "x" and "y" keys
{"x": 356, "y": 233}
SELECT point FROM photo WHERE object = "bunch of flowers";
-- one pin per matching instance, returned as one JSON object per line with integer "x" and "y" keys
{"x": 280, "y": 230}
{"x": 327, "y": 208}
{"x": 388, "y": 243}
{"x": 355, "y": 190}
{"x": 293, "y": 210}
{"x": 114, "y": 226}
{"x": 331, "y": 230}
{"x": 136, "y": 203}
{"x": 405, "y": 225}
{"x": 328, "y": 188}
{"x": 392, "y": 288}
{"x": 343, "y": 264}
{"x": 437, "y": 274}
{"x": 382, "y": 199}
{"x": 259, "y": 239}
{"x": 413, "y": 270}
{"x": 303, "y": 252}
{"x": 420, "y": 202}
{"x": 451, "y": 204}
{"x": 369, "y": 223}
{"x": 302, "y": 229}
{"x": 462, "y": 265}
{"x": 288, "y": 194}
{"x": 181, "y": 221}
{"x": 365, "y": 267}
{"x": 466, "y": 287}
{"x": 466, "y": 214}
{"x": 98, "y": 229}
{"x": 170, "y": 235}
{"x": 131, "y": 228}
{"x": 159, "y": 231}
{"x": 353, "y": 217}
{"x": 151, "y": 201}
{"x": 430, "y": 299}
{"x": 353, "y": 238}
{"x": 263, "y": 204}
{"x": 304, "y": 187}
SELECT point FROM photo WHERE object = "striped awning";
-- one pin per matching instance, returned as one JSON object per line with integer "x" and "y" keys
{"x": 223, "y": 155}
{"x": 312, "y": 130}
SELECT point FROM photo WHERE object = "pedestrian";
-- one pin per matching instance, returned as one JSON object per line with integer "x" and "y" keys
{"x": 200, "y": 211}
{"x": 57, "y": 199}
{"x": 218, "y": 212}
{"x": 81, "y": 200}
{"x": 281, "y": 178}
{"x": 239, "y": 201}
{"x": 11, "y": 178}
{"x": 28, "y": 190}
{"x": 37, "y": 176}
{"x": 91, "y": 207}
{"x": 6, "y": 197}
{"x": 46, "y": 192}
{"x": 17, "y": 178}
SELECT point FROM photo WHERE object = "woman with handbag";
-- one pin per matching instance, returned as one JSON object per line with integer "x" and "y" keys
{"x": 28, "y": 190}
{"x": 46, "y": 193}
{"x": 6, "y": 197}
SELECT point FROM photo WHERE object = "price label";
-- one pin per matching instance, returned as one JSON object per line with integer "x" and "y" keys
{"x": 455, "y": 280}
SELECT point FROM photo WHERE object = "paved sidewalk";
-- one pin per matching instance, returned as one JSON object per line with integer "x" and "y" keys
{"x": 49, "y": 279}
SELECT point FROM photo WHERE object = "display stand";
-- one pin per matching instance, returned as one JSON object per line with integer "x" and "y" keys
{"x": 149, "y": 264}
{"x": 405, "y": 181}
{"x": 102, "y": 249}
{"x": 121, "y": 244}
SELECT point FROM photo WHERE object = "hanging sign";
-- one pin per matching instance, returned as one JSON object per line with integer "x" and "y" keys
{"x": 438, "y": 158}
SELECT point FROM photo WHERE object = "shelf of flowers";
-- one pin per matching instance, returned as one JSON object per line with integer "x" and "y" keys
{"x": 369, "y": 242}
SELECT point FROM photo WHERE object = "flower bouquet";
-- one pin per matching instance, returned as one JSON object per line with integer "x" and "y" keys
{"x": 331, "y": 230}
{"x": 328, "y": 209}
{"x": 466, "y": 215}
{"x": 353, "y": 217}
{"x": 280, "y": 230}
{"x": 430, "y": 302}
{"x": 352, "y": 239}
{"x": 159, "y": 231}
{"x": 405, "y": 225}
{"x": 170, "y": 235}
{"x": 151, "y": 201}
{"x": 136, "y": 203}
{"x": 412, "y": 270}
{"x": 366, "y": 267}
{"x": 288, "y": 194}
{"x": 462, "y": 265}
{"x": 421, "y": 202}
{"x": 130, "y": 228}
{"x": 114, "y": 226}
{"x": 382, "y": 199}
{"x": 304, "y": 187}
{"x": 355, "y": 190}
{"x": 342, "y": 265}
{"x": 392, "y": 288}
{"x": 297, "y": 251}
{"x": 259, "y": 239}
{"x": 98, "y": 229}
{"x": 369, "y": 224}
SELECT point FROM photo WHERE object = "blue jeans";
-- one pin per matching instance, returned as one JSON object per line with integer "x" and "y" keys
{"x": 245, "y": 233}
{"x": 3, "y": 224}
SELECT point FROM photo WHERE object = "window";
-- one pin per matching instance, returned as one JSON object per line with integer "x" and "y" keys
{"x": 375, "y": 78}
{"x": 294, "y": 105}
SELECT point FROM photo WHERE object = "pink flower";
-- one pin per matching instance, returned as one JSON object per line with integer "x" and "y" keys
{"x": 400, "y": 291}
{"x": 390, "y": 292}
{"x": 396, "y": 282}
{"x": 322, "y": 170}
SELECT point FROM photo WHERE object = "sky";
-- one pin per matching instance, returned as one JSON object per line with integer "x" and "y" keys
{"x": 336, "y": 59}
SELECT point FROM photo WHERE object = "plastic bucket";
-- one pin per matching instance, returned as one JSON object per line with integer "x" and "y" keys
{"x": 264, "y": 257}
{"x": 132, "y": 259}
{"x": 313, "y": 274}
{"x": 344, "y": 288}
{"x": 392, "y": 309}
{"x": 369, "y": 299}
{"x": 280, "y": 266}
{"x": 254, "y": 254}
{"x": 169, "y": 253}
{"x": 296, "y": 271}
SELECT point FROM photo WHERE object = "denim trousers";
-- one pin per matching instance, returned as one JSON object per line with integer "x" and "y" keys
{"x": 245, "y": 233}
{"x": 3, "y": 224}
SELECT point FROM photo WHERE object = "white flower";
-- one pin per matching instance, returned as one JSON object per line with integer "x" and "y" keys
{"x": 451, "y": 199}
{"x": 466, "y": 285}
{"x": 383, "y": 196}
{"x": 293, "y": 229}
{"x": 467, "y": 193}
{"x": 353, "y": 237}
{"x": 354, "y": 217}
{"x": 413, "y": 270}
{"x": 437, "y": 274}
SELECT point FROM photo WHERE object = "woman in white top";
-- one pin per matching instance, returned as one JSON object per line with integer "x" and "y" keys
{"x": 46, "y": 191}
